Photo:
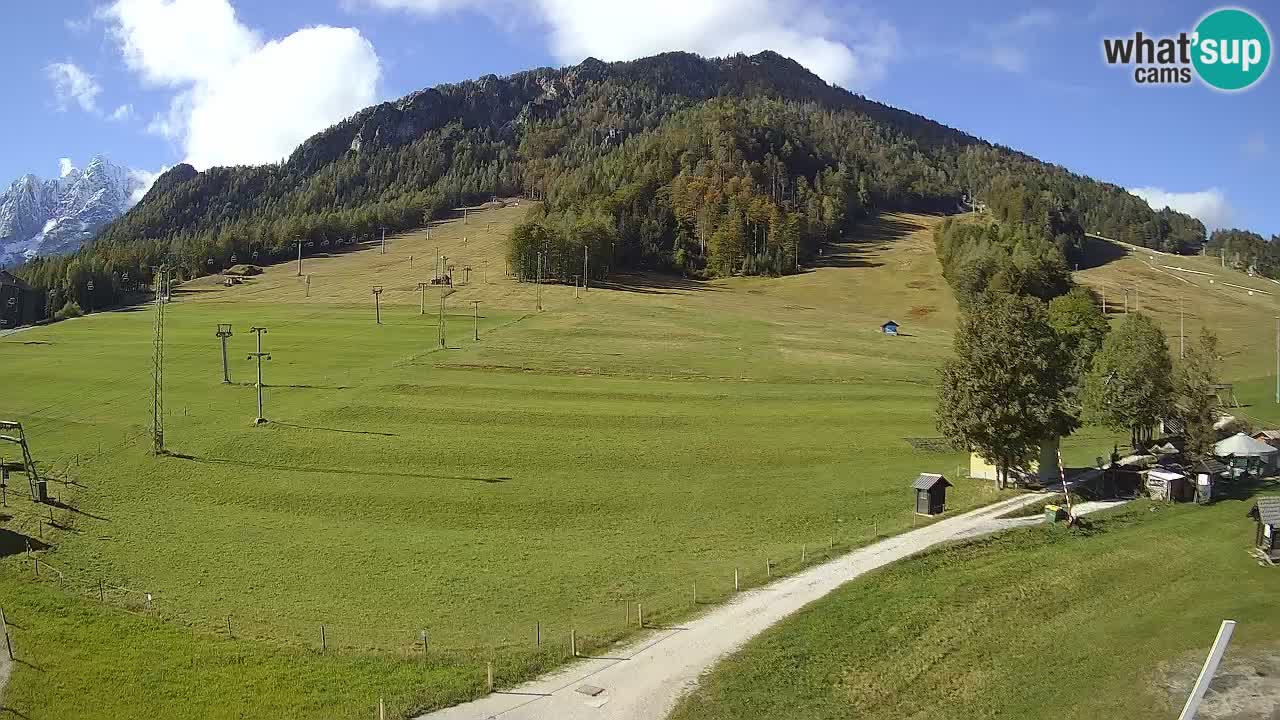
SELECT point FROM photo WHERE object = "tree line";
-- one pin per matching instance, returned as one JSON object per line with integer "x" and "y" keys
{"x": 739, "y": 165}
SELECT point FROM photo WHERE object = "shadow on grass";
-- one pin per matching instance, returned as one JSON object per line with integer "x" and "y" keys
{"x": 337, "y": 471}
{"x": 15, "y": 543}
{"x": 873, "y": 236}
{"x": 71, "y": 508}
{"x": 294, "y": 387}
{"x": 14, "y": 712}
{"x": 651, "y": 284}
{"x": 1099, "y": 252}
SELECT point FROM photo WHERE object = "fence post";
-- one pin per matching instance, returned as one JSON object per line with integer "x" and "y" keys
{"x": 804, "y": 552}
{"x": 324, "y": 642}
{"x": 382, "y": 710}
{"x": 735, "y": 580}
{"x": 4, "y": 628}
{"x": 488, "y": 685}
{"x": 102, "y": 592}
{"x": 695, "y": 592}
{"x": 640, "y": 614}
{"x": 537, "y": 633}
{"x": 573, "y": 642}
{"x": 768, "y": 568}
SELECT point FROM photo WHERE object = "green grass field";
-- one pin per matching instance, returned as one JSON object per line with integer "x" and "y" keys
{"x": 620, "y": 447}
{"x": 615, "y": 448}
{"x": 1036, "y": 623}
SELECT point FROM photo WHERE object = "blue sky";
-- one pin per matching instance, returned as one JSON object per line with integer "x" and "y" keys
{"x": 155, "y": 82}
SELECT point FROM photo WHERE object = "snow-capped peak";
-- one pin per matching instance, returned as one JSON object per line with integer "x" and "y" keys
{"x": 42, "y": 217}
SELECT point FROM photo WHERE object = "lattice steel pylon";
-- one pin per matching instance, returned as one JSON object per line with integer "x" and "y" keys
{"x": 157, "y": 369}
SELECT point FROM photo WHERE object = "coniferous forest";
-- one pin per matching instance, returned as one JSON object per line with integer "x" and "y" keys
{"x": 677, "y": 163}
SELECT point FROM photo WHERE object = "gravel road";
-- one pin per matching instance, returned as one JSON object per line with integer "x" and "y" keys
{"x": 643, "y": 681}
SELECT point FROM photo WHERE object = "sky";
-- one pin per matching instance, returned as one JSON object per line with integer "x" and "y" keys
{"x": 151, "y": 83}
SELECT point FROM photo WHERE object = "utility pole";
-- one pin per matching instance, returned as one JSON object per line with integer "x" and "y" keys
{"x": 440, "y": 320}
{"x": 260, "y": 357}
{"x": 299, "y": 258}
{"x": 1182, "y": 331}
{"x": 377, "y": 303}
{"x": 224, "y": 332}
{"x": 157, "y": 367}
{"x": 422, "y": 305}
{"x": 475, "y": 317}
{"x": 585, "y": 285}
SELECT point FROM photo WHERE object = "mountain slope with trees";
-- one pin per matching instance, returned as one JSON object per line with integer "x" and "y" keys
{"x": 676, "y": 162}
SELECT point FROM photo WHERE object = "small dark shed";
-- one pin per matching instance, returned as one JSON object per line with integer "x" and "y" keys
{"x": 1267, "y": 512}
{"x": 20, "y": 304}
{"x": 931, "y": 493}
{"x": 889, "y": 328}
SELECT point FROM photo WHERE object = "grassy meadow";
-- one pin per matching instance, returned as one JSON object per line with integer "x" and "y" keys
{"x": 1035, "y": 623}
{"x": 627, "y": 445}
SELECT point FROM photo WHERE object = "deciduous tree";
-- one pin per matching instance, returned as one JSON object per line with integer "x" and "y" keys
{"x": 1130, "y": 384}
{"x": 1005, "y": 391}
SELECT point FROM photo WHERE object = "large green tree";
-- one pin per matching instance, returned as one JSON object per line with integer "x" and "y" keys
{"x": 1005, "y": 391}
{"x": 1196, "y": 375}
{"x": 1130, "y": 384}
{"x": 1082, "y": 326}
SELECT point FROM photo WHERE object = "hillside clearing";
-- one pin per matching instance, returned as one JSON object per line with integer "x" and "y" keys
{"x": 619, "y": 448}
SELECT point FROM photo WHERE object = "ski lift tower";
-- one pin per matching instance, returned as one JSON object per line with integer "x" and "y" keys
{"x": 13, "y": 433}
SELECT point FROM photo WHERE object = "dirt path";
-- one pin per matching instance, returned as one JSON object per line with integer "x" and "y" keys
{"x": 642, "y": 681}
{"x": 4, "y": 673}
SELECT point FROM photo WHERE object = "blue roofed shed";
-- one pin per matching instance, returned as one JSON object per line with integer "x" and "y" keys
{"x": 889, "y": 328}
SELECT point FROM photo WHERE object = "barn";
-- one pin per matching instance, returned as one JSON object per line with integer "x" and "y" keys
{"x": 20, "y": 304}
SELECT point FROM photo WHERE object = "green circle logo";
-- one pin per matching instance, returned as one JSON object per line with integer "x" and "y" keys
{"x": 1232, "y": 49}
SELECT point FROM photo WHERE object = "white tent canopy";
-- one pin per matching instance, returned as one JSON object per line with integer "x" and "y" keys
{"x": 1241, "y": 445}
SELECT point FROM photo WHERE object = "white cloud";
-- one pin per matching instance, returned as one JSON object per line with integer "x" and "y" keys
{"x": 241, "y": 99}
{"x": 854, "y": 56}
{"x": 144, "y": 179}
{"x": 72, "y": 84}
{"x": 1209, "y": 206}
{"x": 65, "y": 166}
{"x": 122, "y": 113}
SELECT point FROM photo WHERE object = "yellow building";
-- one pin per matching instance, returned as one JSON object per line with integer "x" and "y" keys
{"x": 1045, "y": 470}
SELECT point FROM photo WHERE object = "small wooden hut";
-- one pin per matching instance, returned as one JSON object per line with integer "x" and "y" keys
{"x": 1266, "y": 511}
{"x": 931, "y": 493}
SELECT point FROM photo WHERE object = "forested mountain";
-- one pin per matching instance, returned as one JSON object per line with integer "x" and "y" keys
{"x": 705, "y": 166}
